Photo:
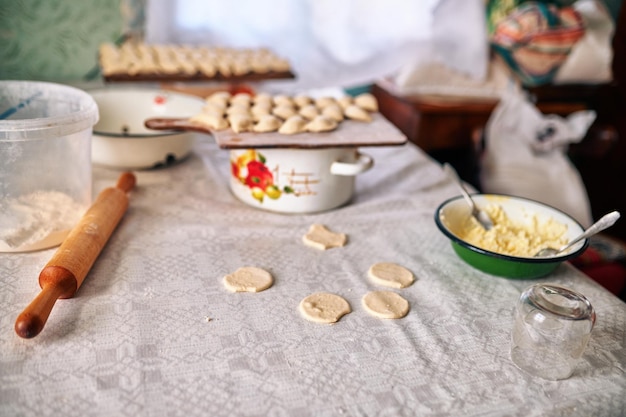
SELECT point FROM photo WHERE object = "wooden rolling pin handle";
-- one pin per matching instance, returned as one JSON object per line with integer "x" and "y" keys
{"x": 57, "y": 282}
{"x": 126, "y": 182}
{"x": 164, "y": 123}
{"x": 66, "y": 271}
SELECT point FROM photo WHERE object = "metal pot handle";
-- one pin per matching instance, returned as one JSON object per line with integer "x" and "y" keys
{"x": 362, "y": 164}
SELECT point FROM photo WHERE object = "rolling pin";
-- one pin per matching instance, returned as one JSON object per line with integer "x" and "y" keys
{"x": 66, "y": 271}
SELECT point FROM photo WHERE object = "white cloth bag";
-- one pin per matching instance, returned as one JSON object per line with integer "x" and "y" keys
{"x": 525, "y": 155}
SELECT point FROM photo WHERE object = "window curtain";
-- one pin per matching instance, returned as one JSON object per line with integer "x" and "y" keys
{"x": 332, "y": 43}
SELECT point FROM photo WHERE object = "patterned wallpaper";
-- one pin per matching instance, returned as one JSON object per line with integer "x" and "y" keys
{"x": 55, "y": 40}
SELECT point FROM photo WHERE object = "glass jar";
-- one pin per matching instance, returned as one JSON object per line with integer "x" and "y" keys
{"x": 551, "y": 330}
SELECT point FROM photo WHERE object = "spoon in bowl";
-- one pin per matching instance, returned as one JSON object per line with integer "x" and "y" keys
{"x": 480, "y": 215}
{"x": 605, "y": 222}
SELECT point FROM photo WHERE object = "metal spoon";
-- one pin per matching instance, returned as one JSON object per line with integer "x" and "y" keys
{"x": 605, "y": 222}
{"x": 483, "y": 218}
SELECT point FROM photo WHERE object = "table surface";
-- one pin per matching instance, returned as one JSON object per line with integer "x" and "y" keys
{"x": 153, "y": 332}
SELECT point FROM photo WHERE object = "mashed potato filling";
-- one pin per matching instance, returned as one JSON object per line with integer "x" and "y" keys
{"x": 521, "y": 238}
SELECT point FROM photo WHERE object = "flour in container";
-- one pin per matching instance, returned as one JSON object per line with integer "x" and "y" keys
{"x": 37, "y": 221}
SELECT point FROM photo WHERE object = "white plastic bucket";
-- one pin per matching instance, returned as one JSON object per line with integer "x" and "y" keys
{"x": 45, "y": 162}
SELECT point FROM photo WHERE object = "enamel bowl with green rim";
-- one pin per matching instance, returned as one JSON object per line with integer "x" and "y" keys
{"x": 453, "y": 215}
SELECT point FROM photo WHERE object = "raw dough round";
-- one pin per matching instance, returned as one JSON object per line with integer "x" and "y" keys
{"x": 324, "y": 307}
{"x": 248, "y": 279}
{"x": 320, "y": 237}
{"x": 390, "y": 275}
{"x": 385, "y": 304}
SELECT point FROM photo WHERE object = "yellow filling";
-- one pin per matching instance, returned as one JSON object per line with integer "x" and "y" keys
{"x": 522, "y": 239}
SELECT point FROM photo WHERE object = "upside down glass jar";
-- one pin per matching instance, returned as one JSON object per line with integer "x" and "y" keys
{"x": 552, "y": 327}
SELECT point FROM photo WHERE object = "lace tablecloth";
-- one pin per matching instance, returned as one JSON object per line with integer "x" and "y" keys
{"x": 153, "y": 332}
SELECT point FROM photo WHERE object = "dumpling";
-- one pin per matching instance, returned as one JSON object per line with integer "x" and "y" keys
{"x": 240, "y": 122}
{"x": 259, "y": 65}
{"x": 282, "y": 99}
{"x": 241, "y": 98}
{"x": 260, "y": 109}
{"x": 334, "y": 112}
{"x": 223, "y": 67}
{"x": 264, "y": 98}
{"x": 207, "y": 69}
{"x": 367, "y": 102}
{"x": 267, "y": 123}
{"x": 214, "y": 107}
{"x": 239, "y": 108}
{"x": 321, "y": 124}
{"x": 355, "y": 112}
{"x": 322, "y": 102}
{"x": 219, "y": 96}
{"x": 240, "y": 67}
{"x": 302, "y": 100}
{"x": 284, "y": 111}
{"x": 344, "y": 101}
{"x": 294, "y": 124}
{"x": 309, "y": 112}
{"x": 280, "y": 65}
{"x": 211, "y": 121}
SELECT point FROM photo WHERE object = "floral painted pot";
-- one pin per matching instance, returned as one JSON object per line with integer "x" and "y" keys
{"x": 296, "y": 180}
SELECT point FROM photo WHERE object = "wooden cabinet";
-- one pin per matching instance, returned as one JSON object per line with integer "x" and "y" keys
{"x": 451, "y": 132}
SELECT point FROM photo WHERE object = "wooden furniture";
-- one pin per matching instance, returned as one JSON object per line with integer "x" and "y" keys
{"x": 451, "y": 131}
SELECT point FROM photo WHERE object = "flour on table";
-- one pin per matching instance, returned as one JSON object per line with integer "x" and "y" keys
{"x": 37, "y": 221}
{"x": 248, "y": 279}
{"x": 324, "y": 307}
{"x": 390, "y": 275}
{"x": 321, "y": 238}
{"x": 385, "y": 304}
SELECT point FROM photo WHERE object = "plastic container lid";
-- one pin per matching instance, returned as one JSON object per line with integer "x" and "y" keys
{"x": 39, "y": 110}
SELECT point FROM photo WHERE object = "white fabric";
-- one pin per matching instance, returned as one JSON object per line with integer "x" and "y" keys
{"x": 435, "y": 80}
{"x": 333, "y": 43}
{"x": 153, "y": 332}
{"x": 517, "y": 162}
{"x": 591, "y": 57}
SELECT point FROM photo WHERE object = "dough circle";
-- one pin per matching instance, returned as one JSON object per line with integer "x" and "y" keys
{"x": 390, "y": 275}
{"x": 248, "y": 279}
{"x": 320, "y": 237}
{"x": 324, "y": 307}
{"x": 385, "y": 304}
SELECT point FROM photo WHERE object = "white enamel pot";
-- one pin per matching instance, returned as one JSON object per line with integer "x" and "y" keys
{"x": 121, "y": 140}
{"x": 290, "y": 180}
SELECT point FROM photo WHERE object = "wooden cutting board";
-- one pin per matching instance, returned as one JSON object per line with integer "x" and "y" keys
{"x": 349, "y": 133}
{"x": 270, "y": 75}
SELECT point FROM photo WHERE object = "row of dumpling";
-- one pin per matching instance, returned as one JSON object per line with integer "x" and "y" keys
{"x": 287, "y": 115}
{"x": 140, "y": 59}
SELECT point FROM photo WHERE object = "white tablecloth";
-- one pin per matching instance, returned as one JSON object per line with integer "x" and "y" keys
{"x": 153, "y": 332}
